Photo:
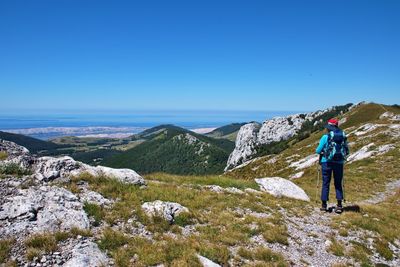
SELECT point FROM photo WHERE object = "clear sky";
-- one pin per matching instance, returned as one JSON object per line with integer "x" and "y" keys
{"x": 228, "y": 55}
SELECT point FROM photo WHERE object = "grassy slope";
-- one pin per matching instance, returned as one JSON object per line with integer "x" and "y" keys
{"x": 161, "y": 152}
{"x": 360, "y": 176}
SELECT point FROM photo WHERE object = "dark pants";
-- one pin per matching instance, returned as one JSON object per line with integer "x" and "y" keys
{"x": 327, "y": 169}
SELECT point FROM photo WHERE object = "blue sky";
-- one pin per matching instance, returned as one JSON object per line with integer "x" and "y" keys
{"x": 218, "y": 55}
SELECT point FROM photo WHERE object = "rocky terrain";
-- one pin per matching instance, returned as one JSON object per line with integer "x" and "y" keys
{"x": 252, "y": 136}
{"x": 61, "y": 212}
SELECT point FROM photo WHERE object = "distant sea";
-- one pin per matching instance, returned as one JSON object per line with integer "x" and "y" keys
{"x": 48, "y": 125}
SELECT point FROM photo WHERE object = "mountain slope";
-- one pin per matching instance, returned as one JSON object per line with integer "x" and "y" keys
{"x": 34, "y": 145}
{"x": 373, "y": 132}
{"x": 171, "y": 149}
{"x": 229, "y": 131}
{"x": 275, "y": 135}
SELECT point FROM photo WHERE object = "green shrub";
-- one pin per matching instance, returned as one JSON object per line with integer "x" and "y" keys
{"x": 13, "y": 169}
{"x": 95, "y": 211}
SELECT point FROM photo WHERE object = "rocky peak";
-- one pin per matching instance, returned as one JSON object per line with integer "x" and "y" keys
{"x": 245, "y": 146}
{"x": 253, "y": 135}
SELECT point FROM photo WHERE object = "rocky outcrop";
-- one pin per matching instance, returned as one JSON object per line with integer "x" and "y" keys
{"x": 245, "y": 146}
{"x": 305, "y": 162}
{"x": 168, "y": 210}
{"x": 253, "y": 135}
{"x": 368, "y": 151}
{"x": 281, "y": 187}
{"x": 50, "y": 168}
{"x": 40, "y": 209}
{"x": 16, "y": 154}
{"x": 390, "y": 116}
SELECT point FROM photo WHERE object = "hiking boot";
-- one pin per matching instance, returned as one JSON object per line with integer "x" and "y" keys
{"x": 324, "y": 206}
{"x": 325, "y": 209}
{"x": 339, "y": 209}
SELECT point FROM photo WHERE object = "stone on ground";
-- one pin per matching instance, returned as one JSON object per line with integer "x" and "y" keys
{"x": 168, "y": 210}
{"x": 206, "y": 262}
{"x": 279, "y": 187}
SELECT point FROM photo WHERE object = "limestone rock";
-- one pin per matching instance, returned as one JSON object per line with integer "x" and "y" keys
{"x": 168, "y": 210}
{"x": 305, "y": 162}
{"x": 390, "y": 115}
{"x": 253, "y": 135}
{"x": 16, "y": 154}
{"x": 246, "y": 142}
{"x": 94, "y": 198}
{"x": 50, "y": 168}
{"x": 279, "y": 187}
{"x": 367, "y": 151}
{"x": 39, "y": 209}
{"x": 206, "y": 262}
{"x": 88, "y": 254}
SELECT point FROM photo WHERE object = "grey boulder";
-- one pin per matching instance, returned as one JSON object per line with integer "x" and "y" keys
{"x": 281, "y": 187}
{"x": 168, "y": 210}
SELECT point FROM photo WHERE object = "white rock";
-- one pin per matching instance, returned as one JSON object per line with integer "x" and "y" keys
{"x": 245, "y": 145}
{"x": 367, "y": 152}
{"x": 364, "y": 129}
{"x": 362, "y": 153}
{"x": 214, "y": 188}
{"x": 233, "y": 190}
{"x": 280, "y": 128}
{"x": 40, "y": 209}
{"x": 94, "y": 198}
{"x": 50, "y": 168}
{"x": 305, "y": 162}
{"x": 168, "y": 210}
{"x": 88, "y": 255}
{"x": 206, "y": 262}
{"x": 328, "y": 243}
{"x": 252, "y": 135}
{"x": 297, "y": 175}
{"x": 390, "y": 115}
{"x": 279, "y": 187}
{"x": 252, "y": 191}
{"x": 124, "y": 175}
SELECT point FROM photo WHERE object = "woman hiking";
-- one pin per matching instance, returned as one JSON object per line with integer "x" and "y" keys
{"x": 333, "y": 150}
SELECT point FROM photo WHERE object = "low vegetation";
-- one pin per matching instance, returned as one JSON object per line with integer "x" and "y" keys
{"x": 5, "y": 249}
{"x": 94, "y": 211}
{"x": 336, "y": 247}
{"x": 42, "y": 243}
{"x": 3, "y": 155}
{"x": 13, "y": 169}
{"x": 217, "y": 219}
{"x": 264, "y": 255}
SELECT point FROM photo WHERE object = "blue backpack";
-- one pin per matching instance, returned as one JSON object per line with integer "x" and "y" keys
{"x": 336, "y": 148}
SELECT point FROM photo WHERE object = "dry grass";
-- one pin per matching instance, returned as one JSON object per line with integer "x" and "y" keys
{"x": 221, "y": 227}
{"x": 264, "y": 255}
{"x": 5, "y": 249}
{"x": 45, "y": 242}
{"x": 336, "y": 248}
{"x": 3, "y": 155}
